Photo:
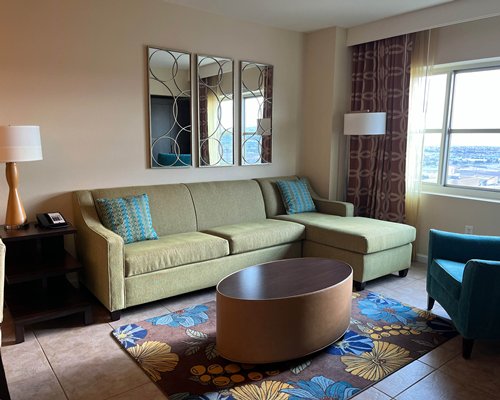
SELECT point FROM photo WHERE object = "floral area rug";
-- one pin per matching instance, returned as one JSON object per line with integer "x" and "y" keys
{"x": 177, "y": 350}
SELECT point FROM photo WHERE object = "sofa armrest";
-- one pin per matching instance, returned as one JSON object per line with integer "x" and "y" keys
{"x": 334, "y": 207}
{"x": 101, "y": 252}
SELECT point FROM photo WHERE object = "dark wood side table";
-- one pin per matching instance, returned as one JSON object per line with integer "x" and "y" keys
{"x": 36, "y": 266}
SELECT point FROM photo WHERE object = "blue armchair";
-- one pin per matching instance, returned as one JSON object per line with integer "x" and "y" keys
{"x": 463, "y": 275}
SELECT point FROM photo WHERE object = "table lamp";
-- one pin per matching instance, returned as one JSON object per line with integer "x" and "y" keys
{"x": 17, "y": 143}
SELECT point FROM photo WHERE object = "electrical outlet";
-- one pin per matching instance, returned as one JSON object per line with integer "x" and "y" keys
{"x": 469, "y": 229}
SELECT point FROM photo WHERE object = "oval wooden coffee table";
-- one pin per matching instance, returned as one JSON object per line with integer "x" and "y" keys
{"x": 283, "y": 310}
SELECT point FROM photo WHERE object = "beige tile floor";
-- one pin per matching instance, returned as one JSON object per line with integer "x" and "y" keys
{"x": 63, "y": 359}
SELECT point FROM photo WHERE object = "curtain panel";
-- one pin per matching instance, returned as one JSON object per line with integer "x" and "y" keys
{"x": 266, "y": 152}
{"x": 203, "y": 116}
{"x": 380, "y": 82}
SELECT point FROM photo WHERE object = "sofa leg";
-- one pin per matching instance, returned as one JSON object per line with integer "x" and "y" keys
{"x": 467, "y": 347}
{"x": 430, "y": 303}
{"x": 359, "y": 286}
{"x": 403, "y": 272}
{"x": 115, "y": 315}
{"x": 4, "y": 389}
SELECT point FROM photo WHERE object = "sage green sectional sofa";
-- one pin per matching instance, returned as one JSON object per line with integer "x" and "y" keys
{"x": 208, "y": 230}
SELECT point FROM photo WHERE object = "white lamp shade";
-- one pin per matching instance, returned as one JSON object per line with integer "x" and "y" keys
{"x": 20, "y": 143}
{"x": 364, "y": 123}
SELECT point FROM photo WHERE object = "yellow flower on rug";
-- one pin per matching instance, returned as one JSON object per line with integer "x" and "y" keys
{"x": 154, "y": 357}
{"x": 424, "y": 314}
{"x": 384, "y": 359}
{"x": 268, "y": 390}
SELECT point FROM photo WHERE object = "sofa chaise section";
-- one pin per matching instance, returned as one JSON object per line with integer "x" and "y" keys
{"x": 372, "y": 247}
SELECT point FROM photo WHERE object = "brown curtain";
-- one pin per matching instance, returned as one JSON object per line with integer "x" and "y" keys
{"x": 203, "y": 101}
{"x": 380, "y": 82}
{"x": 267, "y": 144}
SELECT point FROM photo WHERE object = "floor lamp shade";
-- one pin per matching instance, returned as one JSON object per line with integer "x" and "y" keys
{"x": 17, "y": 144}
{"x": 364, "y": 123}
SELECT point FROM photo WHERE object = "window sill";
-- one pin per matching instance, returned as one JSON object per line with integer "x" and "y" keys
{"x": 461, "y": 193}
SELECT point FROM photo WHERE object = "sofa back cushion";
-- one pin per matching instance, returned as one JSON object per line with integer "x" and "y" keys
{"x": 226, "y": 203}
{"x": 272, "y": 196}
{"x": 171, "y": 207}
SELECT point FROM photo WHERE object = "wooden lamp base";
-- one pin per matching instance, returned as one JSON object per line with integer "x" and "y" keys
{"x": 15, "y": 218}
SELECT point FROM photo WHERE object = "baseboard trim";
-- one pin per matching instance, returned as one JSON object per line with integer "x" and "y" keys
{"x": 422, "y": 258}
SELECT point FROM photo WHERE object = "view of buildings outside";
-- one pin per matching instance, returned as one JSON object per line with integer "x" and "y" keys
{"x": 468, "y": 164}
{"x": 252, "y": 142}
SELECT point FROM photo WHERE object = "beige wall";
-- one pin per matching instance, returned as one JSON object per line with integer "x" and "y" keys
{"x": 326, "y": 98}
{"x": 78, "y": 69}
{"x": 453, "y": 12}
{"x": 468, "y": 41}
{"x": 452, "y": 214}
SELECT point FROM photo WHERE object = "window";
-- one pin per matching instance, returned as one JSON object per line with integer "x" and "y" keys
{"x": 462, "y": 136}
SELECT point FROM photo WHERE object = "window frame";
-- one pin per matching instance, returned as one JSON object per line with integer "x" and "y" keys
{"x": 441, "y": 187}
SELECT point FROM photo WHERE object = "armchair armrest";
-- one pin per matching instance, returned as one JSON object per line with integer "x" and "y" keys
{"x": 461, "y": 247}
{"x": 480, "y": 299}
{"x": 101, "y": 252}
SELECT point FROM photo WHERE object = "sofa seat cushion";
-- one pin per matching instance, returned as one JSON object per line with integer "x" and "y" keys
{"x": 258, "y": 235}
{"x": 357, "y": 234}
{"x": 172, "y": 251}
{"x": 449, "y": 275}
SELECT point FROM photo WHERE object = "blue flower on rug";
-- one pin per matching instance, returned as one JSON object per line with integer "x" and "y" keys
{"x": 129, "y": 334}
{"x": 381, "y": 299}
{"x": 320, "y": 388}
{"x": 352, "y": 343}
{"x": 187, "y": 317}
{"x": 380, "y": 308}
{"x": 442, "y": 326}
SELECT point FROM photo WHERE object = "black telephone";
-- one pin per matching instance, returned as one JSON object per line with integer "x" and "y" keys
{"x": 51, "y": 220}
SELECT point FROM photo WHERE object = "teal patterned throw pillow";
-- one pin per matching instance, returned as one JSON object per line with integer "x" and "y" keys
{"x": 296, "y": 196}
{"x": 129, "y": 217}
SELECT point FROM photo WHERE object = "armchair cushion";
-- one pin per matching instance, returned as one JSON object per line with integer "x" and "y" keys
{"x": 174, "y": 160}
{"x": 449, "y": 274}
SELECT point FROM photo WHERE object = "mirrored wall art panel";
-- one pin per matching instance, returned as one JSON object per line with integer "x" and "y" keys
{"x": 256, "y": 113}
{"x": 215, "y": 111}
{"x": 169, "y": 77}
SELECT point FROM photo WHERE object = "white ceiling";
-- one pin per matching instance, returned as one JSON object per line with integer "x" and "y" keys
{"x": 308, "y": 15}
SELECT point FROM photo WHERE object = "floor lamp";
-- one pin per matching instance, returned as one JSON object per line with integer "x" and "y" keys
{"x": 17, "y": 143}
{"x": 361, "y": 123}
